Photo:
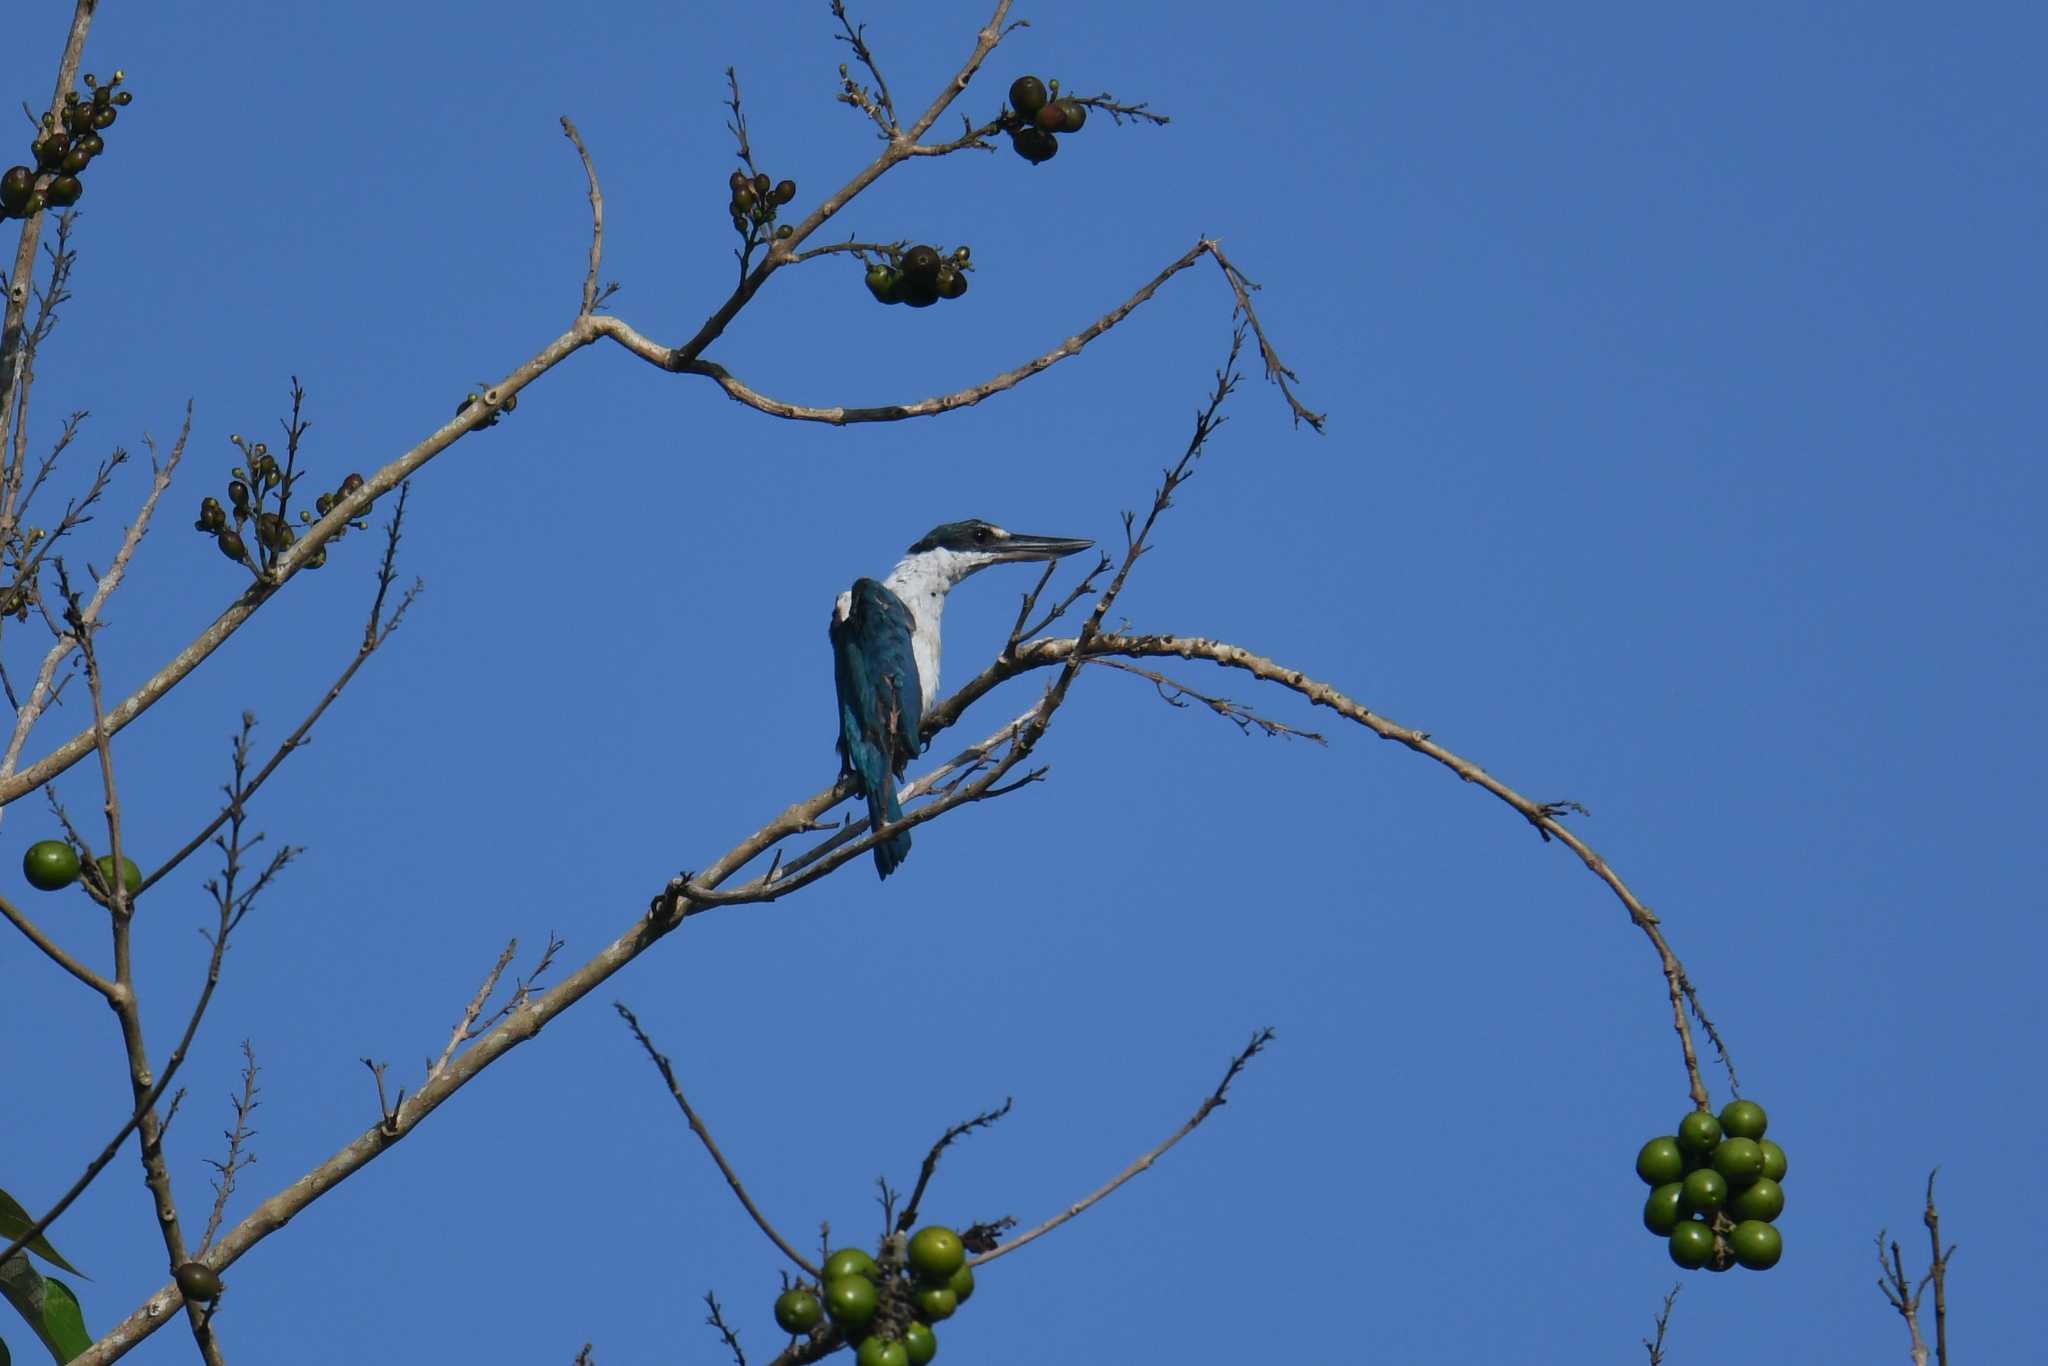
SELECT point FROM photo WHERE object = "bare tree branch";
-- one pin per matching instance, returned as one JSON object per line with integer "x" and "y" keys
{"x": 703, "y": 1132}
{"x": 1209, "y": 1105}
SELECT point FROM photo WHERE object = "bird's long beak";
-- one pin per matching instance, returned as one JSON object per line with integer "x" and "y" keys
{"x": 1021, "y": 546}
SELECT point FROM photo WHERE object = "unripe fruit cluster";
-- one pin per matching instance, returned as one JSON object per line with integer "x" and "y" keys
{"x": 755, "y": 200}
{"x": 887, "y": 1315}
{"x": 920, "y": 277}
{"x": 52, "y": 865}
{"x": 1715, "y": 1189}
{"x": 62, "y": 150}
{"x": 250, "y": 487}
{"x": 1037, "y": 115}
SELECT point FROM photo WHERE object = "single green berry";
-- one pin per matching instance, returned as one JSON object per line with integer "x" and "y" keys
{"x": 131, "y": 873}
{"x": 15, "y": 186}
{"x": 934, "y": 1302}
{"x": 851, "y": 1301}
{"x": 784, "y": 233}
{"x": 920, "y": 1343}
{"x": 1763, "y": 1199}
{"x": 1757, "y": 1245}
{"x": 1692, "y": 1245}
{"x": 1740, "y": 1160}
{"x": 1034, "y": 144}
{"x": 198, "y": 1281}
{"x": 1743, "y": 1119}
{"x": 879, "y": 1351}
{"x": 1660, "y": 1162}
{"x": 1027, "y": 95}
{"x": 49, "y": 865}
{"x": 798, "y": 1311}
{"x": 1664, "y": 1208}
{"x": 851, "y": 1261}
{"x": 1774, "y": 1160}
{"x": 1698, "y": 1132}
{"x": 1076, "y": 112}
{"x": 961, "y": 1283}
{"x": 1706, "y": 1190}
{"x": 935, "y": 1253}
{"x": 884, "y": 284}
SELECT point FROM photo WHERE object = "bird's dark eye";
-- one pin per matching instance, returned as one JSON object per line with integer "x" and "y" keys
{"x": 981, "y": 534}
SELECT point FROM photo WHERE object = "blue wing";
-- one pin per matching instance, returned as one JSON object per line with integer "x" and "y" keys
{"x": 880, "y": 705}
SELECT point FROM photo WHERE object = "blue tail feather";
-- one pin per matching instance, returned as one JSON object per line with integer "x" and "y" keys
{"x": 890, "y": 853}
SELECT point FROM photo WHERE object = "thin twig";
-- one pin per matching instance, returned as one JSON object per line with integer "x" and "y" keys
{"x": 1655, "y": 1346}
{"x": 931, "y": 1159}
{"x": 1211, "y": 1103}
{"x": 1175, "y": 693}
{"x": 245, "y": 1105}
{"x": 590, "y": 290}
{"x": 698, "y": 1127}
{"x": 716, "y": 1319}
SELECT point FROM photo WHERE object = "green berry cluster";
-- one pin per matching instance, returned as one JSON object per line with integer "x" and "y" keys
{"x": 887, "y": 1314}
{"x": 1036, "y": 115}
{"x": 1715, "y": 1189}
{"x": 919, "y": 277}
{"x": 62, "y": 152}
{"x": 259, "y": 493}
{"x": 755, "y": 201}
{"x": 52, "y": 865}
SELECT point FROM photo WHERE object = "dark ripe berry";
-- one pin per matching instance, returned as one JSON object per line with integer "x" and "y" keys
{"x": 76, "y": 117}
{"x": 920, "y": 292}
{"x": 325, "y": 503}
{"x": 1027, "y": 95}
{"x": 271, "y": 530}
{"x": 762, "y": 184}
{"x": 1077, "y": 114}
{"x": 102, "y": 94}
{"x": 1052, "y": 118}
{"x": 952, "y": 283}
{"x": 65, "y": 190}
{"x": 743, "y": 199}
{"x": 198, "y": 1281}
{"x": 50, "y": 150}
{"x": 15, "y": 186}
{"x": 784, "y": 233}
{"x": 238, "y": 494}
{"x": 785, "y": 191}
{"x": 921, "y": 263}
{"x": 103, "y": 117}
{"x": 211, "y": 515}
{"x": 351, "y": 484}
{"x": 231, "y": 545}
{"x": 739, "y": 224}
{"x": 123, "y": 98}
{"x": 92, "y": 144}
{"x": 736, "y": 179}
{"x": 884, "y": 283}
{"x": 34, "y": 205}
{"x": 962, "y": 253}
{"x": 1035, "y": 145}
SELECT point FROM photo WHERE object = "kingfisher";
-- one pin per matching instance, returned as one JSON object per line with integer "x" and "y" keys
{"x": 885, "y": 656}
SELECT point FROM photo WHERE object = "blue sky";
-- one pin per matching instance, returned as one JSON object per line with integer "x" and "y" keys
{"x": 1683, "y": 461}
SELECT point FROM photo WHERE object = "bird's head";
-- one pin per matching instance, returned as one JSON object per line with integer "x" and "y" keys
{"x": 956, "y": 549}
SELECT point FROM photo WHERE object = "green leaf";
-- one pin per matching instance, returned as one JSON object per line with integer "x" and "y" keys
{"x": 15, "y": 1221}
{"x": 63, "y": 1327}
{"x": 47, "y": 1306}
